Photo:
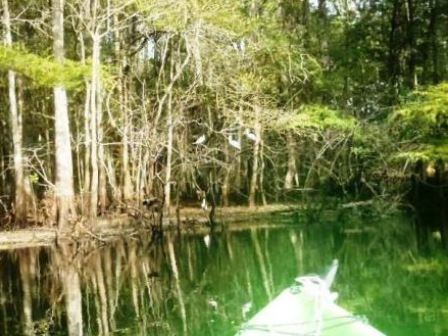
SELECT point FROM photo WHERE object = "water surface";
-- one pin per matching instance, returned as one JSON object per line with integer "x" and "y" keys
{"x": 196, "y": 285}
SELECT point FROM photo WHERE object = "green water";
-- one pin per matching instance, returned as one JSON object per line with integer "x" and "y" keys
{"x": 180, "y": 286}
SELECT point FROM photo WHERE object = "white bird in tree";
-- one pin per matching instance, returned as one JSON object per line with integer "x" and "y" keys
{"x": 200, "y": 140}
{"x": 204, "y": 205}
{"x": 250, "y": 135}
{"x": 234, "y": 143}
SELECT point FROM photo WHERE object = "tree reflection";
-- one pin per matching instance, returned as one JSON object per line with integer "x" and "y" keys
{"x": 67, "y": 263}
{"x": 180, "y": 287}
{"x": 180, "y": 296}
{"x": 27, "y": 265}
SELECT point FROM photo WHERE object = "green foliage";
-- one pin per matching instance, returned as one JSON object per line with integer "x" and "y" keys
{"x": 164, "y": 15}
{"x": 44, "y": 71}
{"x": 327, "y": 76}
{"x": 178, "y": 16}
{"x": 279, "y": 63}
{"x": 316, "y": 117}
{"x": 426, "y": 111}
{"x": 423, "y": 123}
{"x": 275, "y": 63}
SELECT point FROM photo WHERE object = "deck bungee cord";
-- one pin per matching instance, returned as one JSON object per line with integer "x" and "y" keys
{"x": 271, "y": 331}
{"x": 308, "y": 308}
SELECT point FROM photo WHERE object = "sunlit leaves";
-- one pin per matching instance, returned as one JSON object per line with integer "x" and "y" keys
{"x": 427, "y": 109}
{"x": 423, "y": 122}
{"x": 43, "y": 70}
{"x": 179, "y": 16}
{"x": 316, "y": 117}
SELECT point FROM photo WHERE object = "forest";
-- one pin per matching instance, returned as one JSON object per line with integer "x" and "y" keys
{"x": 281, "y": 136}
{"x": 107, "y": 102}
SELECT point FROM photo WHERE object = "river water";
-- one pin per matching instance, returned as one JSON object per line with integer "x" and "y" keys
{"x": 194, "y": 284}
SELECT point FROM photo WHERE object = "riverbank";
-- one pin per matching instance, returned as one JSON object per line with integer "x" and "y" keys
{"x": 122, "y": 225}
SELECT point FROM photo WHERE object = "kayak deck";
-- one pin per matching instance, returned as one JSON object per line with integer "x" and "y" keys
{"x": 306, "y": 308}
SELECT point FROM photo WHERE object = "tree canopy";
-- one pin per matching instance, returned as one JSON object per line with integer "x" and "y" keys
{"x": 238, "y": 100}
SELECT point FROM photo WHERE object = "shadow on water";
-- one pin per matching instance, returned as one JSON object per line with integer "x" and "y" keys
{"x": 209, "y": 285}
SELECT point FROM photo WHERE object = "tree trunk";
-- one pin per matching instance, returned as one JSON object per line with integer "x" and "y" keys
{"x": 322, "y": 9}
{"x": 94, "y": 183}
{"x": 394, "y": 70}
{"x": 111, "y": 176}
{"x": 64, "y": 164}
{"x": 169, "y": 155}
{"x": 322, "y": 12}
{"x": 255, "y": 162}
{"x": 126, "y": 182}
{"x": 226, "y": 183}
{"x": 103, "y": 199}
{"x": 196, "y": 46}
{"x": 20, "y": 203}
{"x": 291, "y": 174}
{"x": 238, "y": 162}
{"x": 88, "y": 146}
{"x": 261, "y": 178}
{"x": 30, "y": 197}
{"x": 101, "y": 154}
{"x": 84, "y": 175}
{"x": 434, "y": 4}
{"x": 413, "y": 80}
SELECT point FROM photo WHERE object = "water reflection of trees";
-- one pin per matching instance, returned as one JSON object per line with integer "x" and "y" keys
{"x": 183, "y": 287}
{"x": 178, "y": 287}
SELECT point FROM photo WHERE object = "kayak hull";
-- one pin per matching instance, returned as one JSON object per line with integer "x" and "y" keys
{"x": 300, "y": 312}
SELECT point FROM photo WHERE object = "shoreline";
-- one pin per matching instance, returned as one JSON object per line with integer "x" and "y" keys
{"x": 192, "y": 220}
